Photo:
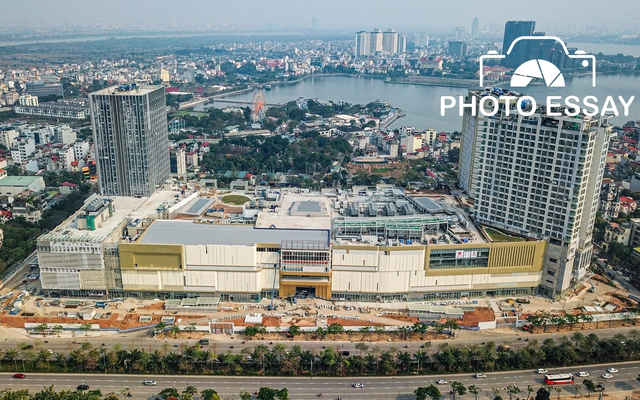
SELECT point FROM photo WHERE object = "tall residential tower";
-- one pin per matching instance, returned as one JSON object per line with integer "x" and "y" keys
{"x": 512, "y": 31}
{"x": 537, "y": 176}
{"x": 131, "y": 139}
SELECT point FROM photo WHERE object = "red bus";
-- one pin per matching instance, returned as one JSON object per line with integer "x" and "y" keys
{"x": 560, "y": 379}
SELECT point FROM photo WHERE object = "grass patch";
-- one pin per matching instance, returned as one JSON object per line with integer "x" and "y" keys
{"x": 380, "y": 170}
{"x": 235, "y": 199}
{"x": 498, "y": 236}
{"x": 187, "y": 112}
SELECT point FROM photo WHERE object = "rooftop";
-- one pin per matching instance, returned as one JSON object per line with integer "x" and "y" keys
{"x": 125, "y": 207}
{"x": 18, "y": 180}
{"x": 192, "y": 233}
{"x": 138, "y": 91}
{"x": 289, "y": 215}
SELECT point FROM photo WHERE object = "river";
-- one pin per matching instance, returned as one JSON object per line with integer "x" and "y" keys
{"x": 422, "y": 103}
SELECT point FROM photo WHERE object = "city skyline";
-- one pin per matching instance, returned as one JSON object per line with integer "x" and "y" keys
{"x": 288, "y": 15}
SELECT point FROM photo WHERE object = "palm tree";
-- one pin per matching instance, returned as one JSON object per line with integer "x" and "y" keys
{"x": 420, "y": 356}
{"x": 85, "y": 328}
{"x": 364, "y": 330}
{"x": 58, "y": 328}
{"x": 349, "y": 333}
{"x": 404, "y": 330}
{"x": 209, "y": 394}
{"x": 378, "y": 329}
{"x": 452, "y": 324}
{"x": 43, "y": 356}
{"x": 586, "y": 318}
{"x": 11, "y": 355}
{"x": 558, "y": 390}
{"x": 576, "y": 388}
{"x": 475, "y": 391}
{"x": 259, "y": 352}
{"x": 175, "y": 329}
{"x": 160, "y": 327}
{"x": 61, "y": 360}
{"x": 513, "y": 389}
{"x": 362, "y": 347}
{"x": 420, "y": 328}
{"x": 529, "y": 391}
{"x": 190, "y": 328}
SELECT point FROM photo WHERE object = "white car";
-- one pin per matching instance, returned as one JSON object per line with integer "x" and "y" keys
{"x": 541, "y": 371}
{"x": 441, "y": 382}
{"x": 583, "y": 374}
{"x": 480, "y": 376}
{"x": 612, "y": 371}
{"x": 607, "y": 376}
{"x": 150, "y": 383}
{"x": 358, "y": 385}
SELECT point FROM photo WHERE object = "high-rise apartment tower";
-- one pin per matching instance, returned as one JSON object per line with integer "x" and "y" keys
{"x": 131, "y": 139}
{"x": 537, "y": 176}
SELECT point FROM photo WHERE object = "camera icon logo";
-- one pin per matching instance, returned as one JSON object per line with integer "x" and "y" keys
{"x": 539, "y": 68}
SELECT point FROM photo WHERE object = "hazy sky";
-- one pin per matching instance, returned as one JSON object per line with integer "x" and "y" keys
{"x": 345, "y": 15}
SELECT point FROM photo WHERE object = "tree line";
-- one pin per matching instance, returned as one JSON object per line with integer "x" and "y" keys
{"x": 189, "y": 393}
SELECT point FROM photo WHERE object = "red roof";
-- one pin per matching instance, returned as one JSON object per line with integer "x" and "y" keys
{"x": 68, "y": 184}
{"x": 625, "y": 199}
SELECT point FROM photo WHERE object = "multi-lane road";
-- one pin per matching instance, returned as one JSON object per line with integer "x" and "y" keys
{"x": 400, "y": 387}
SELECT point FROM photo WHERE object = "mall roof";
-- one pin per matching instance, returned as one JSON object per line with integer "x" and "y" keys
{"x": 193, "y": 233}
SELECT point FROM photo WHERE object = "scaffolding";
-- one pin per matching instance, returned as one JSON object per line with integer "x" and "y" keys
{"x": 402, "y": 227}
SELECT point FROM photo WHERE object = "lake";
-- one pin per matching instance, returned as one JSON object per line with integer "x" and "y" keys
{"x": 422, "y": 103}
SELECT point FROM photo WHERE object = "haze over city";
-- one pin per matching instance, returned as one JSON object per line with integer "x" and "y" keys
{"x": 567, "y": 16}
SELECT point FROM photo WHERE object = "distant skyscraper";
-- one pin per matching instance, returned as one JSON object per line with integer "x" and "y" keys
{"x": 457, "y": 48}
{"x": 512, "y": 31}
{"x": 390, "y": 41}
{"x": 363, "y": 44}
{"x": 459, "y": 32}
{"x": 422, "y": 40}
{"x": 376, "y": 40}
{"x": 367, "y": 43}
{"x": 475, "y": 27}
{"x": 538, "y": 176}
{"x": 402, "y": 44}
{"x": 131, "y": 139}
